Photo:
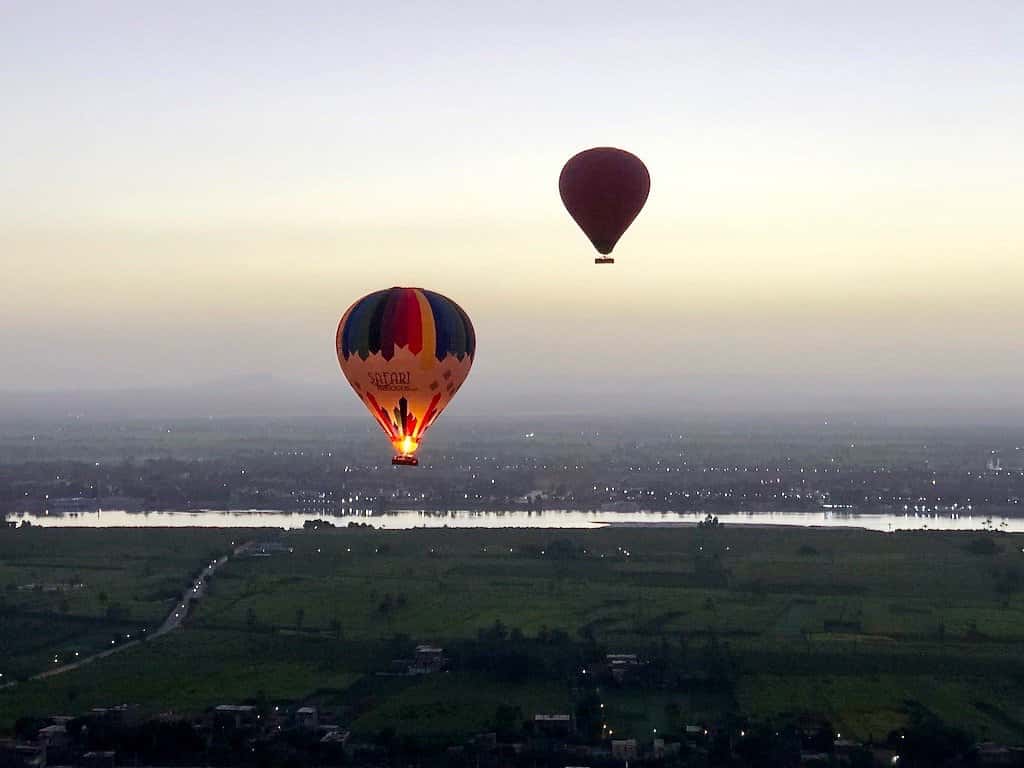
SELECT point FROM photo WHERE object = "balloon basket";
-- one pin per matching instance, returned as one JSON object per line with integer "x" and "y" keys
{"x": 604, "y": 260}
{"x": 405, "y": 461}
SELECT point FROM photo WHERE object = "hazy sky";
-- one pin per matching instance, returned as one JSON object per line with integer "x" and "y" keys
{"x": 196, "y": 191}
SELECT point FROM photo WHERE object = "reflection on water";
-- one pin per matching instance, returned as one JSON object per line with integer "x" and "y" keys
{"x": 520, "y": 519}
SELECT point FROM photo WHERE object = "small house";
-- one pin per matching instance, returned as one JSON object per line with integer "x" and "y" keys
{"x": 307, "y": 718}
{"x": 553, "y": 725}
{"x": 234, "y": 716}
{"x": 428, "y": 659}
{"x": 16, "y": 755}
{"x": 621, "y": 665}
{"x": 624, "y": 749}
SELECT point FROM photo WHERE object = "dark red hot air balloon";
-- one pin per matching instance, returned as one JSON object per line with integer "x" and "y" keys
{"x": 604, "y": 189}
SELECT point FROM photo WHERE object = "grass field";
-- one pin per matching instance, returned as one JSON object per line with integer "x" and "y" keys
{"x": 62, "y": 593}
{"x": 858, "y": 627}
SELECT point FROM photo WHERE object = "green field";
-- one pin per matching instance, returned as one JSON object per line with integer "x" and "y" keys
{"x": 62, "y": 592}
{"x": 861, "y": 628}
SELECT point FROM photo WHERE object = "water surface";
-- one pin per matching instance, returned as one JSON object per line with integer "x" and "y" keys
{"x": 400, "y": 519}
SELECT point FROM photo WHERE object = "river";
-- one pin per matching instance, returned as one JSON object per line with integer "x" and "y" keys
{"x": 401, "y": 519}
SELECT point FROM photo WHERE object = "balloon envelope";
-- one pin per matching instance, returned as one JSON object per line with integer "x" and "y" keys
{"x": 604, "y": 189}
{"x": 406, "y": 352}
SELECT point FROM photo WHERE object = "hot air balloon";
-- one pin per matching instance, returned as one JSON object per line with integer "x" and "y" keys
{"x": 406, "y": 352}
{"x": 604, "y": 189}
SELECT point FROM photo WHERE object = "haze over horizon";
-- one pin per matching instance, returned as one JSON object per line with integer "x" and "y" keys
{"x": 193, "y": 195}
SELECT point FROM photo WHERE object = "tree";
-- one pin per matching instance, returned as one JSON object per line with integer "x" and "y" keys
{"x": 250, "y": 617}
{"x": 508, "y": 720}
{"x": 496, "y": 633}
{"x": 718, "y": 662}
{"x": 300, "y": 615}
{"x": 684, "y": 648}
{"x": 928, "y": 741}
{"x": 673, "y": 715}
{"x": 589, "y": 717}
{"x": 335, "y": 627}
{"x": 709, "y": 521}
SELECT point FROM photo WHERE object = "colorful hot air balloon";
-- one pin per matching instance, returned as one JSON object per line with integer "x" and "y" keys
{"x": 406, "y": 352}
{"x": 604, "y": 189}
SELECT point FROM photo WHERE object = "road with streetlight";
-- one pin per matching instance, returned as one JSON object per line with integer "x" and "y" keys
{"x": 175, "y": 618}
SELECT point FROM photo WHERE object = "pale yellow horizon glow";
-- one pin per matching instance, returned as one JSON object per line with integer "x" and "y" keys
{"x": 835, "y": 206}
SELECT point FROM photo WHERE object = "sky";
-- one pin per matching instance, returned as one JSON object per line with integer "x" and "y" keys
{"x": 193, "y": 193}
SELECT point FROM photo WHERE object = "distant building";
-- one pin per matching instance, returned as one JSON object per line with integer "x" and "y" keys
{"x": 695, "y": 732}
{"x": 989, "y": 754}
{"x": 307, "y": 719}
{"x": 103, "y": 759}
{"x": 122, "y": 714}
{"x": 49, "y": 587}
{"x": 486, "y": 741}
{"x": 845, "y": 746}
{"x": 621, "y": 665}
{"x": 337, "y": 736}
{"x": 553, "y": 724}
{"x": 624, "y": 749}
{"x": 234, "y": 716}
{"x": 53, "y": 736}
{"x": 263, "y": 549}
{"x": 333, "y": 747}
{"x": 56, "y": 743}
{"x": 61, "y": 506}
{"x": 316, "y": 502}
{"x": 814, "y": 758}
{"x": 427, "y": 659}
{"x": 15, "y": 755}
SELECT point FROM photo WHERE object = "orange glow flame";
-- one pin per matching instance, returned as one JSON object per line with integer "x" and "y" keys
{"x": 406, "y": 446}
